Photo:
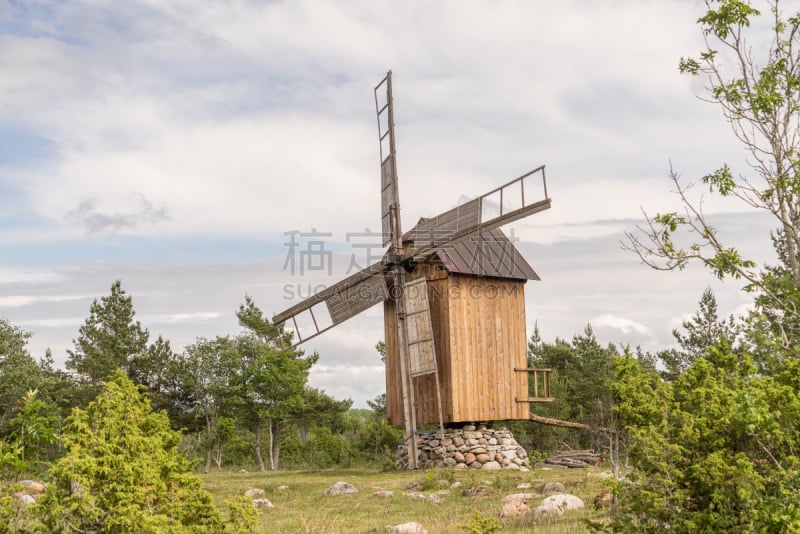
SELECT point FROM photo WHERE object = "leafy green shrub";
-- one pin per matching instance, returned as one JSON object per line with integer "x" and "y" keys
{"x": 15, "y": 515}
{"x": 482, "y": 525}
{"x": 243, "y": 516}
{"x": 123, "y": 472}
{"x": 434, "y": 477}
{"x": 716, "y": 453}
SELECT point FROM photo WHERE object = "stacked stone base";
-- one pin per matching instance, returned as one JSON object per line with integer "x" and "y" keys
{"x": 466, "y": 447}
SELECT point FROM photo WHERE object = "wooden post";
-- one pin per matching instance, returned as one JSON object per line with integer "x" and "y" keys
{"x": 409, "y": 413}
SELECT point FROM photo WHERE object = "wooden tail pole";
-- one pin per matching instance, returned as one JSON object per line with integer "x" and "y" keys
{"x": 567, "y": 424}
{"x": 557, "y": 422}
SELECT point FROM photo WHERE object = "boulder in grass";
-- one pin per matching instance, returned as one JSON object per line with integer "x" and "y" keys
{"x": 565, "y": 501}
{"x": 252, "y": 492}
{"x": 475, "y": 491}
{"x": 524, "y": 497}
{"x": 27, "y": 499}
{"x": 263, "y": 503}
{"x": 544, "y": 513}
{"x": 412, "y": 527}
{"x": 341, "y": 488}
{"x": 35, "y": 488}
{"x": 604, "y": 500}
{"x": 552, "y": 487}
{"x": 514, "y": 508}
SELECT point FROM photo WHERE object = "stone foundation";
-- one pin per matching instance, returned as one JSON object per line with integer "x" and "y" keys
{"x": 480, "y": 448}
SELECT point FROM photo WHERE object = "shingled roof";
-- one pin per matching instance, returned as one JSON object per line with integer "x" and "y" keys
{"x": 489, "y": 254}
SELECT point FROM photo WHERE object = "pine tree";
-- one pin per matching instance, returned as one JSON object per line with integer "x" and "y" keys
{"x": 109, "y": 339}
{"x": 702, "y": 331}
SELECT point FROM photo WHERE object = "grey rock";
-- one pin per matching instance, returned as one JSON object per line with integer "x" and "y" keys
{"x": 475, "y": 491}
{"x": 27, "y": 499}
{"x": 510, "y": 454}
{"x": 411, "y": 527}
{"x": 543, "y": 514}
{"x": 263, "y": 503}
{"x": 341, "y": 488}
{"x": 516, "y": 508}
{"x": 565, "y": 501}
{"x": 552, "y": 487}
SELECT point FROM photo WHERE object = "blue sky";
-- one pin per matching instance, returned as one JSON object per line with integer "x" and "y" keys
{"x": 173, "y": 143}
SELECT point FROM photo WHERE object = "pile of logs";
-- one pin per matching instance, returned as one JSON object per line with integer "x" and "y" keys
{"x": 583, "y": 458}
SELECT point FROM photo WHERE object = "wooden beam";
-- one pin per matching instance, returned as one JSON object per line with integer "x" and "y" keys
{"x": 568, "y": 424}
{"x": 557, "y": 422}
{"x": 535, "y": 399}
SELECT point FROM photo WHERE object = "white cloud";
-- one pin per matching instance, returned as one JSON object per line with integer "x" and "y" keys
{"x": 620, "y": 323}
{"x": 172, "y": 318}
{"x": 56, "y": 322}
{"x": 14, "y": 275}
{"x": 16, "y": 301}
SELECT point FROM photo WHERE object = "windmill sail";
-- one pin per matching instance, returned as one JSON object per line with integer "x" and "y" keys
{"x": 507, "y": 203}
{"x": 335, "y": 304}
{"x": 389, "y": 194}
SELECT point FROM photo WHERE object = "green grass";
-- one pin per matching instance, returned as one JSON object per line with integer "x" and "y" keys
{"x": 303, "y": 507}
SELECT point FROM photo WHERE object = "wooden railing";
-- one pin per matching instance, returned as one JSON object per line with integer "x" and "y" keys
{"x": 541, "y": 384}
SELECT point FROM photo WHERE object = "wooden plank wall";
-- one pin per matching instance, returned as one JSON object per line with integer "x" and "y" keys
{"x": 480, "y": 337}
{"x": 488, "y": 339}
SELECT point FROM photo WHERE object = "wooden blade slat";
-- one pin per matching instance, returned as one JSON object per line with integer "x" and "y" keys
{"x": 469, "y": 218}
{"x": 387, "y": 199}
{"x": 353, "y": 300}
{"x": 442, "y": 228}
{"x": 389, "y": 193}
{"x": 343, "y": 287}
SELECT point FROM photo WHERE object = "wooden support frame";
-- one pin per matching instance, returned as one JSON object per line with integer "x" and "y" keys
{"x": 545, "y": 375}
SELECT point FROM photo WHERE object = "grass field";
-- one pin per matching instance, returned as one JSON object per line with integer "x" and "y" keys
{"x": 303, "y": 507}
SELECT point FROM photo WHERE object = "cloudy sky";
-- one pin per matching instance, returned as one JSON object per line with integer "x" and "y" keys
{"x": 174, "y": 144}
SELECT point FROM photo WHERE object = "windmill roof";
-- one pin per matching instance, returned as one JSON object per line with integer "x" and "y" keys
{"x": 489, "y": 253}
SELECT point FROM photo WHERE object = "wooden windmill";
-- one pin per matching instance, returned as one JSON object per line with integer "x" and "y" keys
{"x": 453, "y": 301}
